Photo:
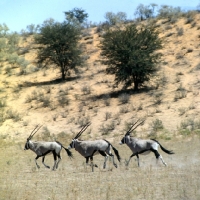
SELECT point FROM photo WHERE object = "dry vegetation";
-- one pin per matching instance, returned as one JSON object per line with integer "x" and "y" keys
{"x": 170, "y": 103}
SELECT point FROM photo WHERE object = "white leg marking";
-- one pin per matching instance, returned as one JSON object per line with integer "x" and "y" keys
{"x": 59, "y": 159}
{"x": 138, "y": 160}
{"x": 37, "y": 164}
{"x": 162, "y": 160}
{"x": 106, "y": 158}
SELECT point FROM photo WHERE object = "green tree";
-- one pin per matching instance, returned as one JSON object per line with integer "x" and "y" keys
{"x": 166, "y": 11}
{"x": 144, "y": 12}
{"x": 59, "y": 47}
{"x": 113, "y": 18}
{"x": 76, "y": 14}
{"x": 131, "y": 54}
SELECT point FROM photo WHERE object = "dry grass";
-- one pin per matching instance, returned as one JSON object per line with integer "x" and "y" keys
{"x": 73, "y": 180}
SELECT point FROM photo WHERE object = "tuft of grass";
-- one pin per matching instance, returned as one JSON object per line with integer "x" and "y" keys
{"x": 11, "y": 114}
{"x": 106, "y": 100}
{"x": 108, "y": 115}
{"x": 124, "y": 109}
{"x": 182, "y": 111}
{"x": 2, "y": 103}
{"x": 124, "y": 98}
{"x": 63, "y": 100}
{"x": 156, "y": 125}
{"x": 157, "y": 98}
{"x": 86, "y": 89}
{"x": 179, "y": 31}
{"x": 106, "y": 129}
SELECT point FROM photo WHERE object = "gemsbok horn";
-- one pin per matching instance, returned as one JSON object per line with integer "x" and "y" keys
{"x": 42, "y": 148}
{"x": 140, "y": 146}
{"x": 90, "y": 148}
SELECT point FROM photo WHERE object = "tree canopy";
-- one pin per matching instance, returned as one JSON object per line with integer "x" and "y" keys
{"x": 130, "y": 54}
{"x": 76, "y": 14}
{"x": 58, "y": 46}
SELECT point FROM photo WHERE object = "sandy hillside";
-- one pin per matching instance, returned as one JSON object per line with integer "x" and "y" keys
{"x": 171, "y": 97}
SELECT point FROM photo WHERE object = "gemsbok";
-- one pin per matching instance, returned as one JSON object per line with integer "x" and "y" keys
{"x": 90, "y": 148}
{"x": 42, "y": 148}
{"x": 141, "y": 146}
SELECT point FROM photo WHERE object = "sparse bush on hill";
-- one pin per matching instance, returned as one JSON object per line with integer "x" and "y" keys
{"x": 9, "y": 46}
{"x": 189, "y": 126}
{"x": 156, "y": 125}
{"x": 179, "y": 31}
{"x": 124, "y": 98}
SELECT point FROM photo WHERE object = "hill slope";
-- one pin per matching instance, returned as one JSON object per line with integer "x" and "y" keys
{"x": 172, "y": 97}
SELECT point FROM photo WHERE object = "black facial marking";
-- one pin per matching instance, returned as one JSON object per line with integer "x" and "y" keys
{"x": 123, "y": 140}
{"x": 26, "y": 145}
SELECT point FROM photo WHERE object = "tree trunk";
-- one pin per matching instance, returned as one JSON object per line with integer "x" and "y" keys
{"x": 63, "y": 73}
{"x": 136, "y": 84}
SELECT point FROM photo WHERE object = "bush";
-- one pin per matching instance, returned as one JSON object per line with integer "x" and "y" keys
{"x": 124, "y": 98}
{"x": 179, "y": 31}
{"x": 157, "y": 125}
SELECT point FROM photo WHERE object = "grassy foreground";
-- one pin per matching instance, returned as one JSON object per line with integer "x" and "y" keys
{"x": 19, "y": 178}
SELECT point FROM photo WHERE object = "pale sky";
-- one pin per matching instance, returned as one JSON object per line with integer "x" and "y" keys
{"x": 17, "y": 14}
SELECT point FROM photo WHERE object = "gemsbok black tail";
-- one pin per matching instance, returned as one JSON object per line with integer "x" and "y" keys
{"x": 69, "y": 153}
{"x": 165, "y": 150}
{"x": 115, "y": 151}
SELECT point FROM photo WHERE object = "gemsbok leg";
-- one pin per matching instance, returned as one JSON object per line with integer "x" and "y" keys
{"x": 36, "y": 162}
{"x": 134, "y": 154}
{"x": 44, "y": 163}
{"x": 158, "y": 156}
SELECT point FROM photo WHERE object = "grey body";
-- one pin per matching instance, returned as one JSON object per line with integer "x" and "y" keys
{"x": 42, "y": 148}
{"x": 89, "y": 148}
{"x": 144, "y": 147}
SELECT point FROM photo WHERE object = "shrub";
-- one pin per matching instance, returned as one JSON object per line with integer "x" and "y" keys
{"x": 106, "y": 99}
{"x": 158, "y": 98}
{"x": 179, "y": 31}
{"x": 14, "y": 115}
{"x": 63, "y": 100}
{"x": 105, "y": 129}
{"x": 182, "y": 111}
{"x": 180, "y": 95}
{"x": 2, "y": 103}
{"x": 124, "y": 98}
{"x": 86, "y": 89}
{"x": 108, "y": 115}
{"x": 45, "y": 101}
{"x": 156, "y": 125}
{"x": 124, "y": 109}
